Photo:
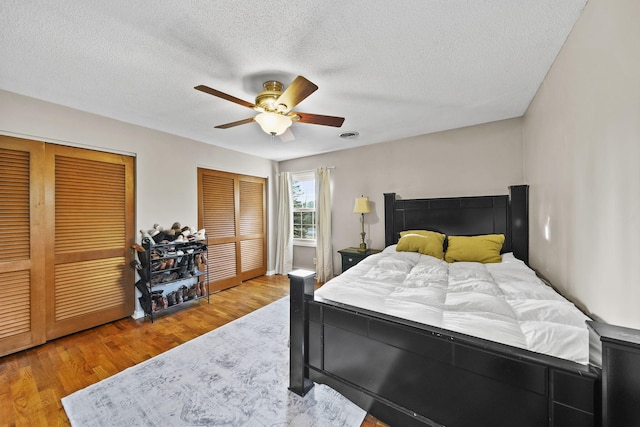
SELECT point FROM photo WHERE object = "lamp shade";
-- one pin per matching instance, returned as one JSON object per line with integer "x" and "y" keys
{"x": 273, "y": 123}
{"x": 362, "y": 205}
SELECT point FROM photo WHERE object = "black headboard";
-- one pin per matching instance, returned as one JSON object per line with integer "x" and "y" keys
{"x": 464, "y": 216}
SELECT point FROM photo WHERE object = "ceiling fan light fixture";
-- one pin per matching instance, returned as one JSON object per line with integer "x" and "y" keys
{"x": 273, "y": 123}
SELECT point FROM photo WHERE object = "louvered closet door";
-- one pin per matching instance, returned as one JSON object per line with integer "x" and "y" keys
{"x": 22, "y": 289}
{"x": 232, "y": 210}
{"x": 90, "y": 210}
{"x": 218, "y": 218}
{"x": 253, "y": 254}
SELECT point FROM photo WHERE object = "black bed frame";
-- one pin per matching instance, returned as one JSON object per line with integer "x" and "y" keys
{"x": 407, "y": 374}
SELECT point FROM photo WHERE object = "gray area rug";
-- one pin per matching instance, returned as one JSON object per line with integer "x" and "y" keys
{"x": 235, "y": 375}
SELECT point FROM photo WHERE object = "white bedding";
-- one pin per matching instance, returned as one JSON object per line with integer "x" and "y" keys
{"x": 503, "y": 302}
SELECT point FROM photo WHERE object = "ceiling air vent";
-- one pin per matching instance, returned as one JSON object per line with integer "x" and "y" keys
{"x": 349, "y": 135}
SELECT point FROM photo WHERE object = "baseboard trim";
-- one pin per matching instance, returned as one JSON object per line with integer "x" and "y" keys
{"x": 137, "y": 314}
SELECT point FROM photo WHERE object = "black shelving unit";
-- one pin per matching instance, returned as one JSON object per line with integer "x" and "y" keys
{"x": 171, "y": 274}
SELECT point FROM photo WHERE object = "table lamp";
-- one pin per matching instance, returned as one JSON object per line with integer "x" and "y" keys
{"x": 362, "y": 207}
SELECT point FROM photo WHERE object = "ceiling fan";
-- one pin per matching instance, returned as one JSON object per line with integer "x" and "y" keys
{"x": 275, "y": 106}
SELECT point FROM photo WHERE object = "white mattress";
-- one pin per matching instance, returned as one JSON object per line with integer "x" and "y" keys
{"x": 503, "y": 302}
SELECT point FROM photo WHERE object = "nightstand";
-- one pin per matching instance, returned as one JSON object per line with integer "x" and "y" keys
{"x": 352, "y": 256}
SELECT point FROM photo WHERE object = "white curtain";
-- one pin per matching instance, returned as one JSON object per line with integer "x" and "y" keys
{"x": 324, "y": 251}
{"x": 284, "y": 239}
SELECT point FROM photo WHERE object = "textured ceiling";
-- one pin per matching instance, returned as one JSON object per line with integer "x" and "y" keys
{"x": 392, "y": 69}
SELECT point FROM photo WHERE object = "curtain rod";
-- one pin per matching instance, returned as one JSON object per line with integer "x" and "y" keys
{"x": 310, "y": 170}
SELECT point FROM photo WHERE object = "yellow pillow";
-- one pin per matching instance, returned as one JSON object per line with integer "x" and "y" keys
{"x": 424, "y": 233}
{"x": 424, "y": 244}
{"x": 485, "y": 248}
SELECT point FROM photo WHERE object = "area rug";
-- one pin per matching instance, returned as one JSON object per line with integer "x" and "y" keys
{"x": 235, "y": 375}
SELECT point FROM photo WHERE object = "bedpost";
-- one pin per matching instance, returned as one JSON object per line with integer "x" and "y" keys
{"x": 301, "y": 286}
{"x": 620, "y": 350}
{"x": 389, "y": 199}
{"x": 519, "y": 221}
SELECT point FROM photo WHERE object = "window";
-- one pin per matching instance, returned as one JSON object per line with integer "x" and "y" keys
{"x": 304, "y": 208}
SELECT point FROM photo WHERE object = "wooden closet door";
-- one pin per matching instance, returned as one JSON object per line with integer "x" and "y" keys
{"x": 252, "y": 234}
{"x": 233, "y": 213}
{"x": 90, "y": 208}
{"x": 217, "y": 215}
{"x": 22, "y": 317}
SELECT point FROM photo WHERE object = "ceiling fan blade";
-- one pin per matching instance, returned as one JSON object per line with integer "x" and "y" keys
{"x": 287, "y": 136}
{"x": 297, "y": 91}
{"x": 232, "y": 124}
{"x": 214, "y": 92}
{"x": 317, "y": 119}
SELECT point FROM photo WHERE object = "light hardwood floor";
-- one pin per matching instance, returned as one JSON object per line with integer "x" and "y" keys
{"x": 33, "y": 381}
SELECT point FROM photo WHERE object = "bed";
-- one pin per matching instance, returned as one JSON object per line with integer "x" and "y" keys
{"x": 408, "y": 370}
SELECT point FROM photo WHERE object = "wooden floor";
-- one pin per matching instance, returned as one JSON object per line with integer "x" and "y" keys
{"x": 33, "y": 381}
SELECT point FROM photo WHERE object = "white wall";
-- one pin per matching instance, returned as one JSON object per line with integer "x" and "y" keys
{"x": 166, "y": 165}
{"x": 582, "y": 154}
{"x": 477, "y": 160}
